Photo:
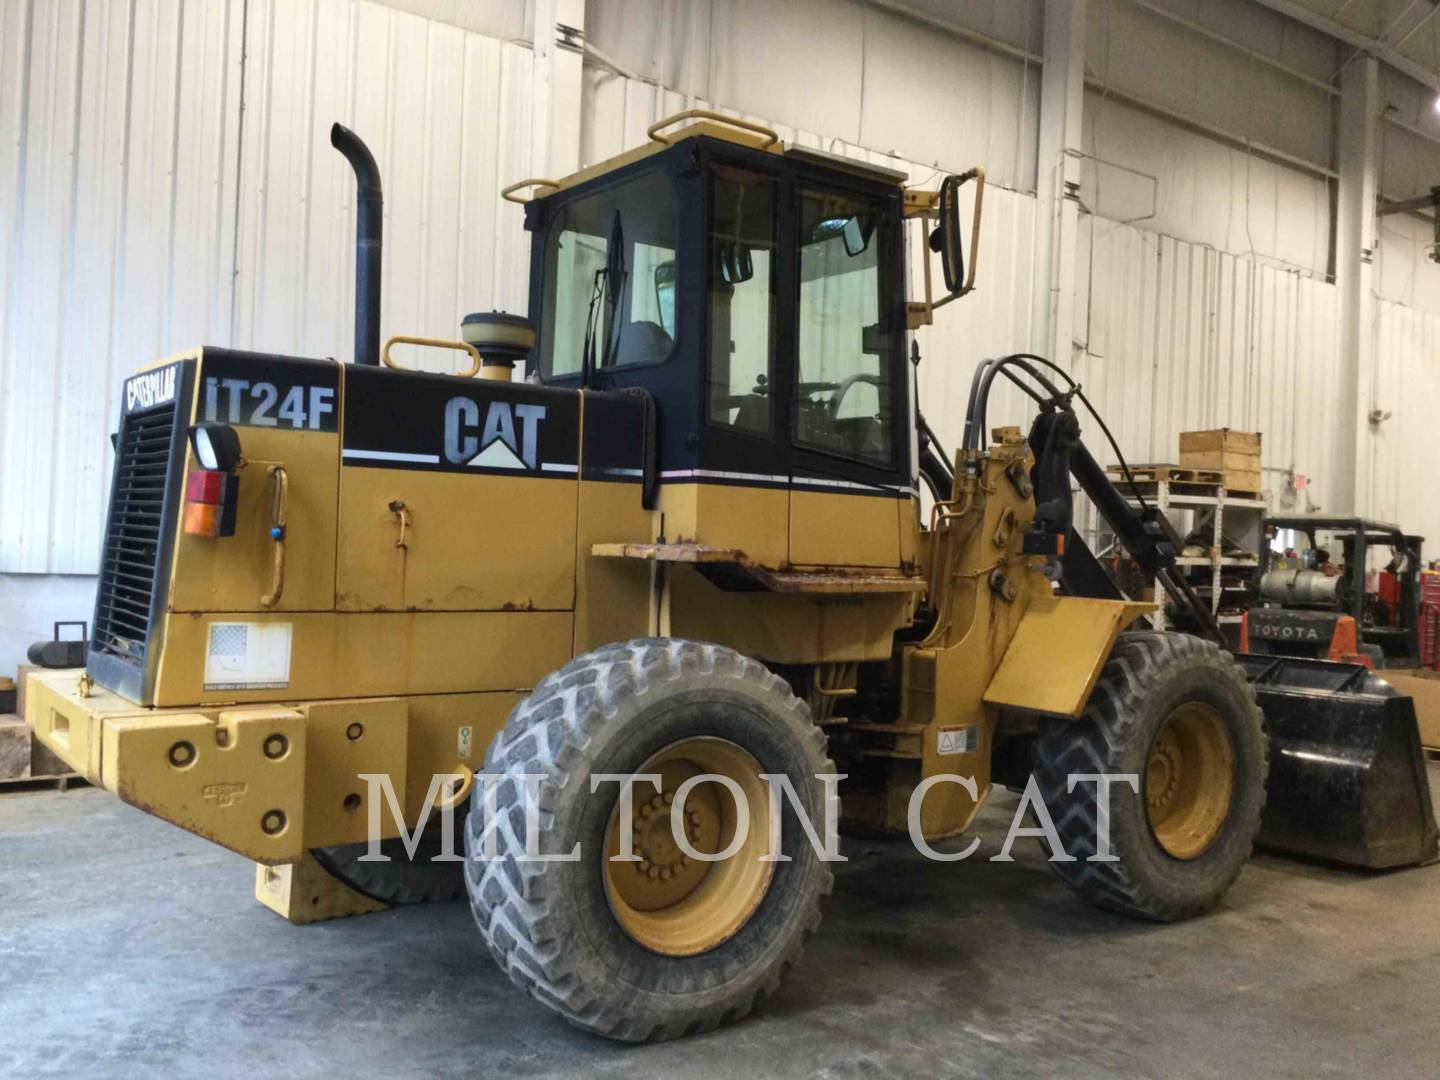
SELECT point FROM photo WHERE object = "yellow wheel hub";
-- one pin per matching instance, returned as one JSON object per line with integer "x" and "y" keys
{"x": 672, "y": 902}
{"x": 1189, "y": 780}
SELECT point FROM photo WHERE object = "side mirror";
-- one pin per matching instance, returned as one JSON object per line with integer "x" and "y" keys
{"x": 947, "y": 239}
{"x": 735, "y": 263}
{"x": 856, "y": 235}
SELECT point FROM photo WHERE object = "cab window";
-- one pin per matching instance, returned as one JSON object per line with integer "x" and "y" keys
{"x": 741, "y": 299}
{"x": 616, "y": 306}
{"x": 843, "y": 395}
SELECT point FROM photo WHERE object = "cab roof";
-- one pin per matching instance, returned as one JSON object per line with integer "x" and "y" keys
{"x": 712, "y": 125}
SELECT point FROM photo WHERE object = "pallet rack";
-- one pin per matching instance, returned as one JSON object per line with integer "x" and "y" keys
{"x": 1234, "y": 515}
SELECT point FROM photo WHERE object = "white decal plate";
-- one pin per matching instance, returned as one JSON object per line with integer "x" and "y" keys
{"x": 963, "y": 740}
{"x": 248, "y": 656}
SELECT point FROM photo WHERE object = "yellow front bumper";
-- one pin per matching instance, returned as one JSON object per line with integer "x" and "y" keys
{"x": 267, "y": 781}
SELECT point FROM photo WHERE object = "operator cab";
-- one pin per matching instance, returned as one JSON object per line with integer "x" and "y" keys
{"x": 757, "y": 294}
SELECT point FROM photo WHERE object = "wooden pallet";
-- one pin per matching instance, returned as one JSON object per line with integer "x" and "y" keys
{"x": 60, "y": 782}
{"x": 1190, "y": 481}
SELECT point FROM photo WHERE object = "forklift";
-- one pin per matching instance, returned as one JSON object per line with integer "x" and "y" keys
{"x": 1325, "y": 603}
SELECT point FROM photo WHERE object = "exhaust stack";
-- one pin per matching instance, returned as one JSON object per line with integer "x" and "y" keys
{"x": 369, "y": 221}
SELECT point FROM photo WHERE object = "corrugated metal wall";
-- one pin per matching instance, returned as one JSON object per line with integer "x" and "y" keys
{"x": 1182, "y": 337}
{"x": 117, "y": 179}
{"x": 446, "y": 113}
{"x": 139, "y": 214}
{"x": 1402, "y": 475}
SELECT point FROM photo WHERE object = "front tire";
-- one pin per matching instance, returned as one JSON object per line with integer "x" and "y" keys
{"x": 662, "y": 947}
{"x": 1178, "y": 713}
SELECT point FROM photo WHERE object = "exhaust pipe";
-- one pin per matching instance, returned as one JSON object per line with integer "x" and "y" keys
{"x": 368, "y": 226}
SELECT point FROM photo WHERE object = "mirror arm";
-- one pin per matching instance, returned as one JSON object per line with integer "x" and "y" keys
{"x": 922, "y": 205}
{"x": 978, "y": 175}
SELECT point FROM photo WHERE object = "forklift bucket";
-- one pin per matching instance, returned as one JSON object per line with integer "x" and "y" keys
{"x": 1348, "y": 781}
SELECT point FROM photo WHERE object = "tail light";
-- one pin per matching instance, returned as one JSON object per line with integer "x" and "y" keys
{"x": 211, "y": 497}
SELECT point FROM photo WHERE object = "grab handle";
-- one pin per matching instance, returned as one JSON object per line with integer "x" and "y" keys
{"x": 433, "y": 343}
{"x": 771, "y": 136}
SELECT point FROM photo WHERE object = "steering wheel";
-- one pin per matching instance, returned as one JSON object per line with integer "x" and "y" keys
{"x": 832, "y": 407}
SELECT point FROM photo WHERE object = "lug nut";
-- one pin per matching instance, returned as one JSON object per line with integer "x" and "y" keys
{"x": 182, "y": 754}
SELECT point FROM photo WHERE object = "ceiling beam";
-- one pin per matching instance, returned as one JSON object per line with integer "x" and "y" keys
{"x": 1378, "y": 49}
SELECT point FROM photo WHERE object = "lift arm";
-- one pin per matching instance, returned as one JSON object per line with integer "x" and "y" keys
{"x": 1147, "y": 534}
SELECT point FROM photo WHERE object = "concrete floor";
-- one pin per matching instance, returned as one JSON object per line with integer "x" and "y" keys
{"x": 128, "y": 948}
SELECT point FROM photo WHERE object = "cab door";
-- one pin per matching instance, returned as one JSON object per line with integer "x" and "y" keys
{"x": 847, "y": 404}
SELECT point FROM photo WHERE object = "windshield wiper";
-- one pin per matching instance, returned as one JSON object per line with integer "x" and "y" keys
{"x": 610, "y": 284}
{"x": 587, "y": 351}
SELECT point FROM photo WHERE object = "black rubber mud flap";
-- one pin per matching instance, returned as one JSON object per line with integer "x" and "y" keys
{"x": 1348, "y": 781}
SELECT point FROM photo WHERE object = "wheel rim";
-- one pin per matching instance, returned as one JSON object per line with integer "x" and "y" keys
{"x": 668, "y": 901}
{"x": 1189, "y": 780}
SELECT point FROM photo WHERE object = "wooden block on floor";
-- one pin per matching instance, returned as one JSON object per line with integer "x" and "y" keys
{"x": 45, "y": 762}
{"x": 15, "y": 748}
{"x": 1424, "y": 687}
{"x": 20, "y": 675}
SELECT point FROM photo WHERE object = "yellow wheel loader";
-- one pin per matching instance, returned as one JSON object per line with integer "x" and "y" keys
{"x": 689, "y": 550}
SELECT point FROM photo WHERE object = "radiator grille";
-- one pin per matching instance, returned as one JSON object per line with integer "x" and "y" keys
{"x": 134, "y": 535}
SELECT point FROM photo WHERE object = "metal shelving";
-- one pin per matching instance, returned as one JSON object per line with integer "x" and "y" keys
{"x": 1238, "y": 518}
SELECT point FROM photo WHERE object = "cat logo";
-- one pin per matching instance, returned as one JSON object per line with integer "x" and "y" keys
{"x": 150, "y": 389}
{"x": 495, "y": 445}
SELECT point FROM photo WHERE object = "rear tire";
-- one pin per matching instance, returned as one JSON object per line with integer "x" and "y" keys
{"x": 563, "y": 931}
{"x": 402, "y": 880}
{"x": 1178, "y": 713}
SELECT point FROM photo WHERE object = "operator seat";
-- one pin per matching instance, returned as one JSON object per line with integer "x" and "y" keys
{"x": 642, "y": 342}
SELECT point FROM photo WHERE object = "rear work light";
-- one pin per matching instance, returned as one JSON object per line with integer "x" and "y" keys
{"x": 211, "y": 498}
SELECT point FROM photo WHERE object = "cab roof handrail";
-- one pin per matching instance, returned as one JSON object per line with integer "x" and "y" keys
{"x": 771, "y": 135}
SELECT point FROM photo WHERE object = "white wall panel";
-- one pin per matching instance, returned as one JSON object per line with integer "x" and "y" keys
{"x": 1134, "y": 49}
{"x": 1404, "y": 271}
{"x": 445, "y": 112}
{"x": 117, "y": 172}
{"x": 1406, "y": 384}
{"x": 1182, "y": 337}
{"x": 1204, "y": 191}
{"x": 126, "y": 180}
{"x": 508, "y": 20}
{"x": 850, "y": 69}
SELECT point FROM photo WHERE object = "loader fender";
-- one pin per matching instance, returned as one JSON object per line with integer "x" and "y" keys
{"x": 1057, "y": 652}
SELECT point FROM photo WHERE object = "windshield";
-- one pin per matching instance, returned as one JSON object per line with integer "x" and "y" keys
{"x": 638, "y": 327}
{"x": 843, "y": 392}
